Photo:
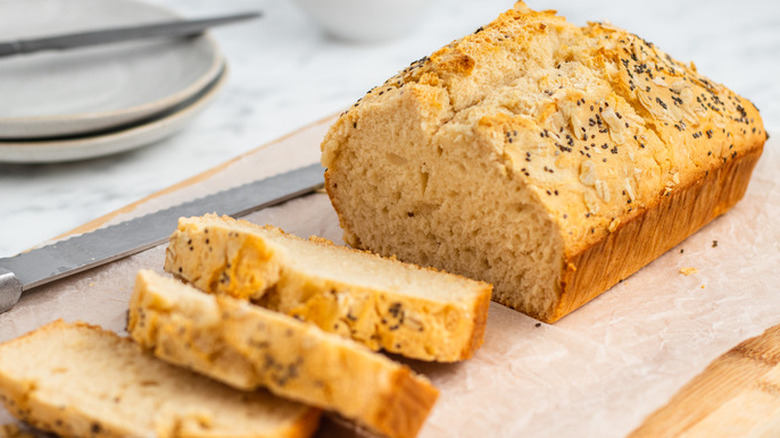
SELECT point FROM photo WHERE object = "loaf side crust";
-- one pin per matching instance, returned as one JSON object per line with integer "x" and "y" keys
{"x": 654, "y": 231}
{"x": 406, "y": 408}
{"x": 249, "y": 347}
{"x": 379, "y": 318}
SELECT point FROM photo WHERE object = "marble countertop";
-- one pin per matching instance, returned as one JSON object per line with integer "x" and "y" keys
{"x": 285, "y": 73}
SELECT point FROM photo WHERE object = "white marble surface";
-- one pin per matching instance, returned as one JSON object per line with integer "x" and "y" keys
{"x": 285, "y": 73}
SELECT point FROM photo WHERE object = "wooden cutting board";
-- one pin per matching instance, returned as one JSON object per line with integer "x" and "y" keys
{"x": 738, "y": 395}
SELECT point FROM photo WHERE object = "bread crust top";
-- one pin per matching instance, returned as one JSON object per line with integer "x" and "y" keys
{"x": 597, "y": 122}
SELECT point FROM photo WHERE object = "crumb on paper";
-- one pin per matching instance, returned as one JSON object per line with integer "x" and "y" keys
{"x": 688, "y": 271}
{"x": 538, "y": 324}
{"x": 714, "y": 243}
{"x": 91, "y": 284}
{"x": 682, "y": 250}
{"x": 613, "y": 225}
{"x": 702, "y": 286}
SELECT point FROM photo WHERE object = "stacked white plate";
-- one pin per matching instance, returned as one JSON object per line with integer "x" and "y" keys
{"x": 83, "y": 103}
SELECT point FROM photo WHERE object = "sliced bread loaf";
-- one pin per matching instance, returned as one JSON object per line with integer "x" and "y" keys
{"x": 78, "y": 380}
{"x": 548, "y": 159}
{"x": 247, "y": 346}
{"x": 385, "y": 304}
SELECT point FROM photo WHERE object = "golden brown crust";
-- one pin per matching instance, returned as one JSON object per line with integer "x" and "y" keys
{"x": 654, "y": 231}
{"x": 242, "y": 266}
{"x": 480, "y": 323}
{"x": 305, "y": 427}
{"x": 479, "y": 312}
{"x": 410, "y": 326}
{"x": 405, "y": 408}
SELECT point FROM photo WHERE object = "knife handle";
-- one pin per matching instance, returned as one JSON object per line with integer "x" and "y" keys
{"x": 10, "y": 289}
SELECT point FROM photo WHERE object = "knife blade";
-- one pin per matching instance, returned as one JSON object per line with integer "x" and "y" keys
{"x": 179, "y": 28}
{"x": 40, "y": 266}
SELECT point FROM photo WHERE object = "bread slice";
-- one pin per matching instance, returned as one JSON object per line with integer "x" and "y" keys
{"x": 247, "y": 346}
{"x": 78, "y": 380}
{"x": 548, "y": 159}
{"x": 382, "y": 303}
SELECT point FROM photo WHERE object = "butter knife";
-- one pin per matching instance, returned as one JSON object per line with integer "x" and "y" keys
{"x": 72, "y": 255}
{"x": 179, "y": 28}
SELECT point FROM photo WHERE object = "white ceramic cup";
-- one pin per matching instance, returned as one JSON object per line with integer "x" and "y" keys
{"x": 366, "y": 20}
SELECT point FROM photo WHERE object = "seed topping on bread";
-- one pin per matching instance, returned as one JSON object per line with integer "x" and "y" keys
{"x": 534, "y": 122}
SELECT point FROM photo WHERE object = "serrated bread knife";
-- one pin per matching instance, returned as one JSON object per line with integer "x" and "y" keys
{"x": 40, "y": 266}
{"x": 171, "y": 29}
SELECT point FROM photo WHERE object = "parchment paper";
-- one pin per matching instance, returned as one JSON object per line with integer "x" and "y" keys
{"x": 596, "y": 373}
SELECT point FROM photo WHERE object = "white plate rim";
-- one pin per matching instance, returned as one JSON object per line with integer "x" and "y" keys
{"x": 137, "y": 111}
{"x": 52, "y": 151}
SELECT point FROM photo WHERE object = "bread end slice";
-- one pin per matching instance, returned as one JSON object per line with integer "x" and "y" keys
{"x": 79, "y": 380}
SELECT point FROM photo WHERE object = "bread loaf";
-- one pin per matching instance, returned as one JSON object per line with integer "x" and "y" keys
{"x": 548, "y": 159}
{"x": 382, "y": 303}
{"x": 248, "y": 347}
{"x": 78, "y": 380}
